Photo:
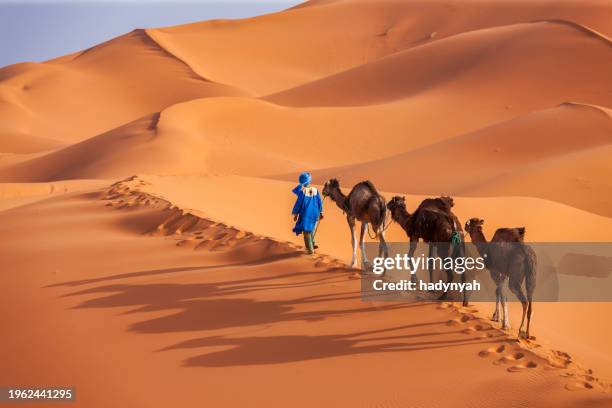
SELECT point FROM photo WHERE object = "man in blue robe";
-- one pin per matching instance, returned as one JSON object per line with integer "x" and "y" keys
{"x": 307, "y": 211}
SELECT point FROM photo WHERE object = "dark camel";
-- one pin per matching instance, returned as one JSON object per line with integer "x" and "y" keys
{"x": 508, "y": 258}
{"x": 433, "y": 222}
{"x": 365, "y": 204}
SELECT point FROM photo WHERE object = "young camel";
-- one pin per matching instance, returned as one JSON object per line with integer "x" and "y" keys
{"x": 434, "y": 223}
{"x": 510, "y": 258}
{"x": 365, "y": 204}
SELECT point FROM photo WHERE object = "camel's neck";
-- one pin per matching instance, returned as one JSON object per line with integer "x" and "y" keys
{"x": 402, "y": 217}
{"x": 340, "y": 199}
{"x": 480, "y": 241}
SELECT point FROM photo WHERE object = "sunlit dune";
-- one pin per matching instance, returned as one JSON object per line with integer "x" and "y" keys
{"x": 145, "y": 204}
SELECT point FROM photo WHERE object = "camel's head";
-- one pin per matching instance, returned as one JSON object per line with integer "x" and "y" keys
{"x": 474, "y": 225}
{"x": 329, "y": 187}
{"x": 397, "y": 203}
{"x": 449, "y": 201}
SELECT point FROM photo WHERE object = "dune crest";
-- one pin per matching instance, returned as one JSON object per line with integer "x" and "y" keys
{"x": 199, "y": 315}
{"x": 92, "y": 87}
{"x": 459, "y": 64}
{"x": 146, "y": 204}
{"x": 198, "y": 232}
{"x": 490, "y": 155}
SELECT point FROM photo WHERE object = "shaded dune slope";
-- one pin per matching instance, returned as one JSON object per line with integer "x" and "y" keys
{"x": 78, "y": 96}
{"x": 347, "y": 34}
{"x": 527, "y": 58}
{"x": 563, "y": 145}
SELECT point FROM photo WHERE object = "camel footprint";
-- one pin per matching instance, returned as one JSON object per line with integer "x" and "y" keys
{"x": 482, "y": 330}
{"x": 584, "y": 381}
{"x": 504, "y": 354}
{"x": 460, "y": 320}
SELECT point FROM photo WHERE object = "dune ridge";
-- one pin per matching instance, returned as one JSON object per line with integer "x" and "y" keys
{"x": 202, "y": 232}
{"x": 453, "y": 59}
{"x": 190, "y": 138}
{"x": 496, "y": 152}
{"x": 207, "y": 315}
{"x": 380, "y": 28}
{"x": 152, "y": 36}
{"x": 93, "y": 87}
{"x": 194, "y": 231}
{"x": 145, "y": 204}
{"x": 581, "y": 27}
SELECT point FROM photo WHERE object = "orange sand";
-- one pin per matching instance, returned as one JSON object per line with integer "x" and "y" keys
{"x": 184, "y": 286}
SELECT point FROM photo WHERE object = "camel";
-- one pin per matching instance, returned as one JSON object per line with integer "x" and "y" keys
{"x": 508, "y": 259}
{"x": 365, "y": 204}
{"x": 434, "y": 223}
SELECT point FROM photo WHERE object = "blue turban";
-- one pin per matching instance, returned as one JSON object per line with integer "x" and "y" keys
{"x": 305, "y": 178}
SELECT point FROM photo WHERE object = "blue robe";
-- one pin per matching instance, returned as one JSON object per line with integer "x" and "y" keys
{"x": 307, "y": 207}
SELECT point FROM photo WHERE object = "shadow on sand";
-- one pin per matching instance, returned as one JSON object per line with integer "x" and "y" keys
{"x": 235, "y": 304}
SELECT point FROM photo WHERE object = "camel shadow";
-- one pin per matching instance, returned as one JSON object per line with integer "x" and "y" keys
{"x": 162, "y": 271}
{"x": 208, "y": 306}
{"x": 238, "y": 304}
{"x": 266, "y": 350}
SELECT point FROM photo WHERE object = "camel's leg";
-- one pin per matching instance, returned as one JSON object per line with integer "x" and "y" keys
{"x": 364, "y": 257}
{"x": 430, "y": 256}
{"x": 516, "y": 278}
{"x": 411, "y": 250}
{"x": 383, "y": 249}
{"x": 515, "y": 287}
{"x": 351, "y": 223}
{"x": 444, "y": 250}
{"x": 495, "y": 316}
{"x": 527, "y": 335}
{"x": 530, "y": 283}
{"x": 504, "y": 305}
{"x": 460, "y": 252}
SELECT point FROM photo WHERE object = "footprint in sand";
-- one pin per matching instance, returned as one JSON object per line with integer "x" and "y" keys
{"x": 480, "y": 330}
{"x": 581, "y": 381}
{"x": 578, "y": 386}
{"x": 504, "y": 354}
{"x": 460, "y": 320}
{"x": 522, "y": 367}
{"x": 492, "y": 351}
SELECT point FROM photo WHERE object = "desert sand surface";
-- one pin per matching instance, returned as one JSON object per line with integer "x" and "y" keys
{"x": 174, "y": 303}
{"x": 145, "y": 196}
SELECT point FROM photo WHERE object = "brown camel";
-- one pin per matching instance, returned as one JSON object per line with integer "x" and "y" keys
{"x": 365, "y": 204}
{"x": 507, "y": 257}
{"x": 434, "y": 223}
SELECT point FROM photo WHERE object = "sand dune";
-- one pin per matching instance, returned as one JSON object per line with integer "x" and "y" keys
{"x": 188, "y": 267}
{"x": 204, "y": 135}
{"x": 175, "y": 141}
{"x": 14, "y": 195}
{"x": 580, "y": 179}
{"x": 529, "y": 58}
{"x": 167, "y": 304}
{"x": 567, "y": 144}
{"x": 210, "y": 195}
{"x": 564, "y": 145}
{"x": 101, "y": 88}
{"x": 347, "y": 34}
{"x": 131, "y": 148}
